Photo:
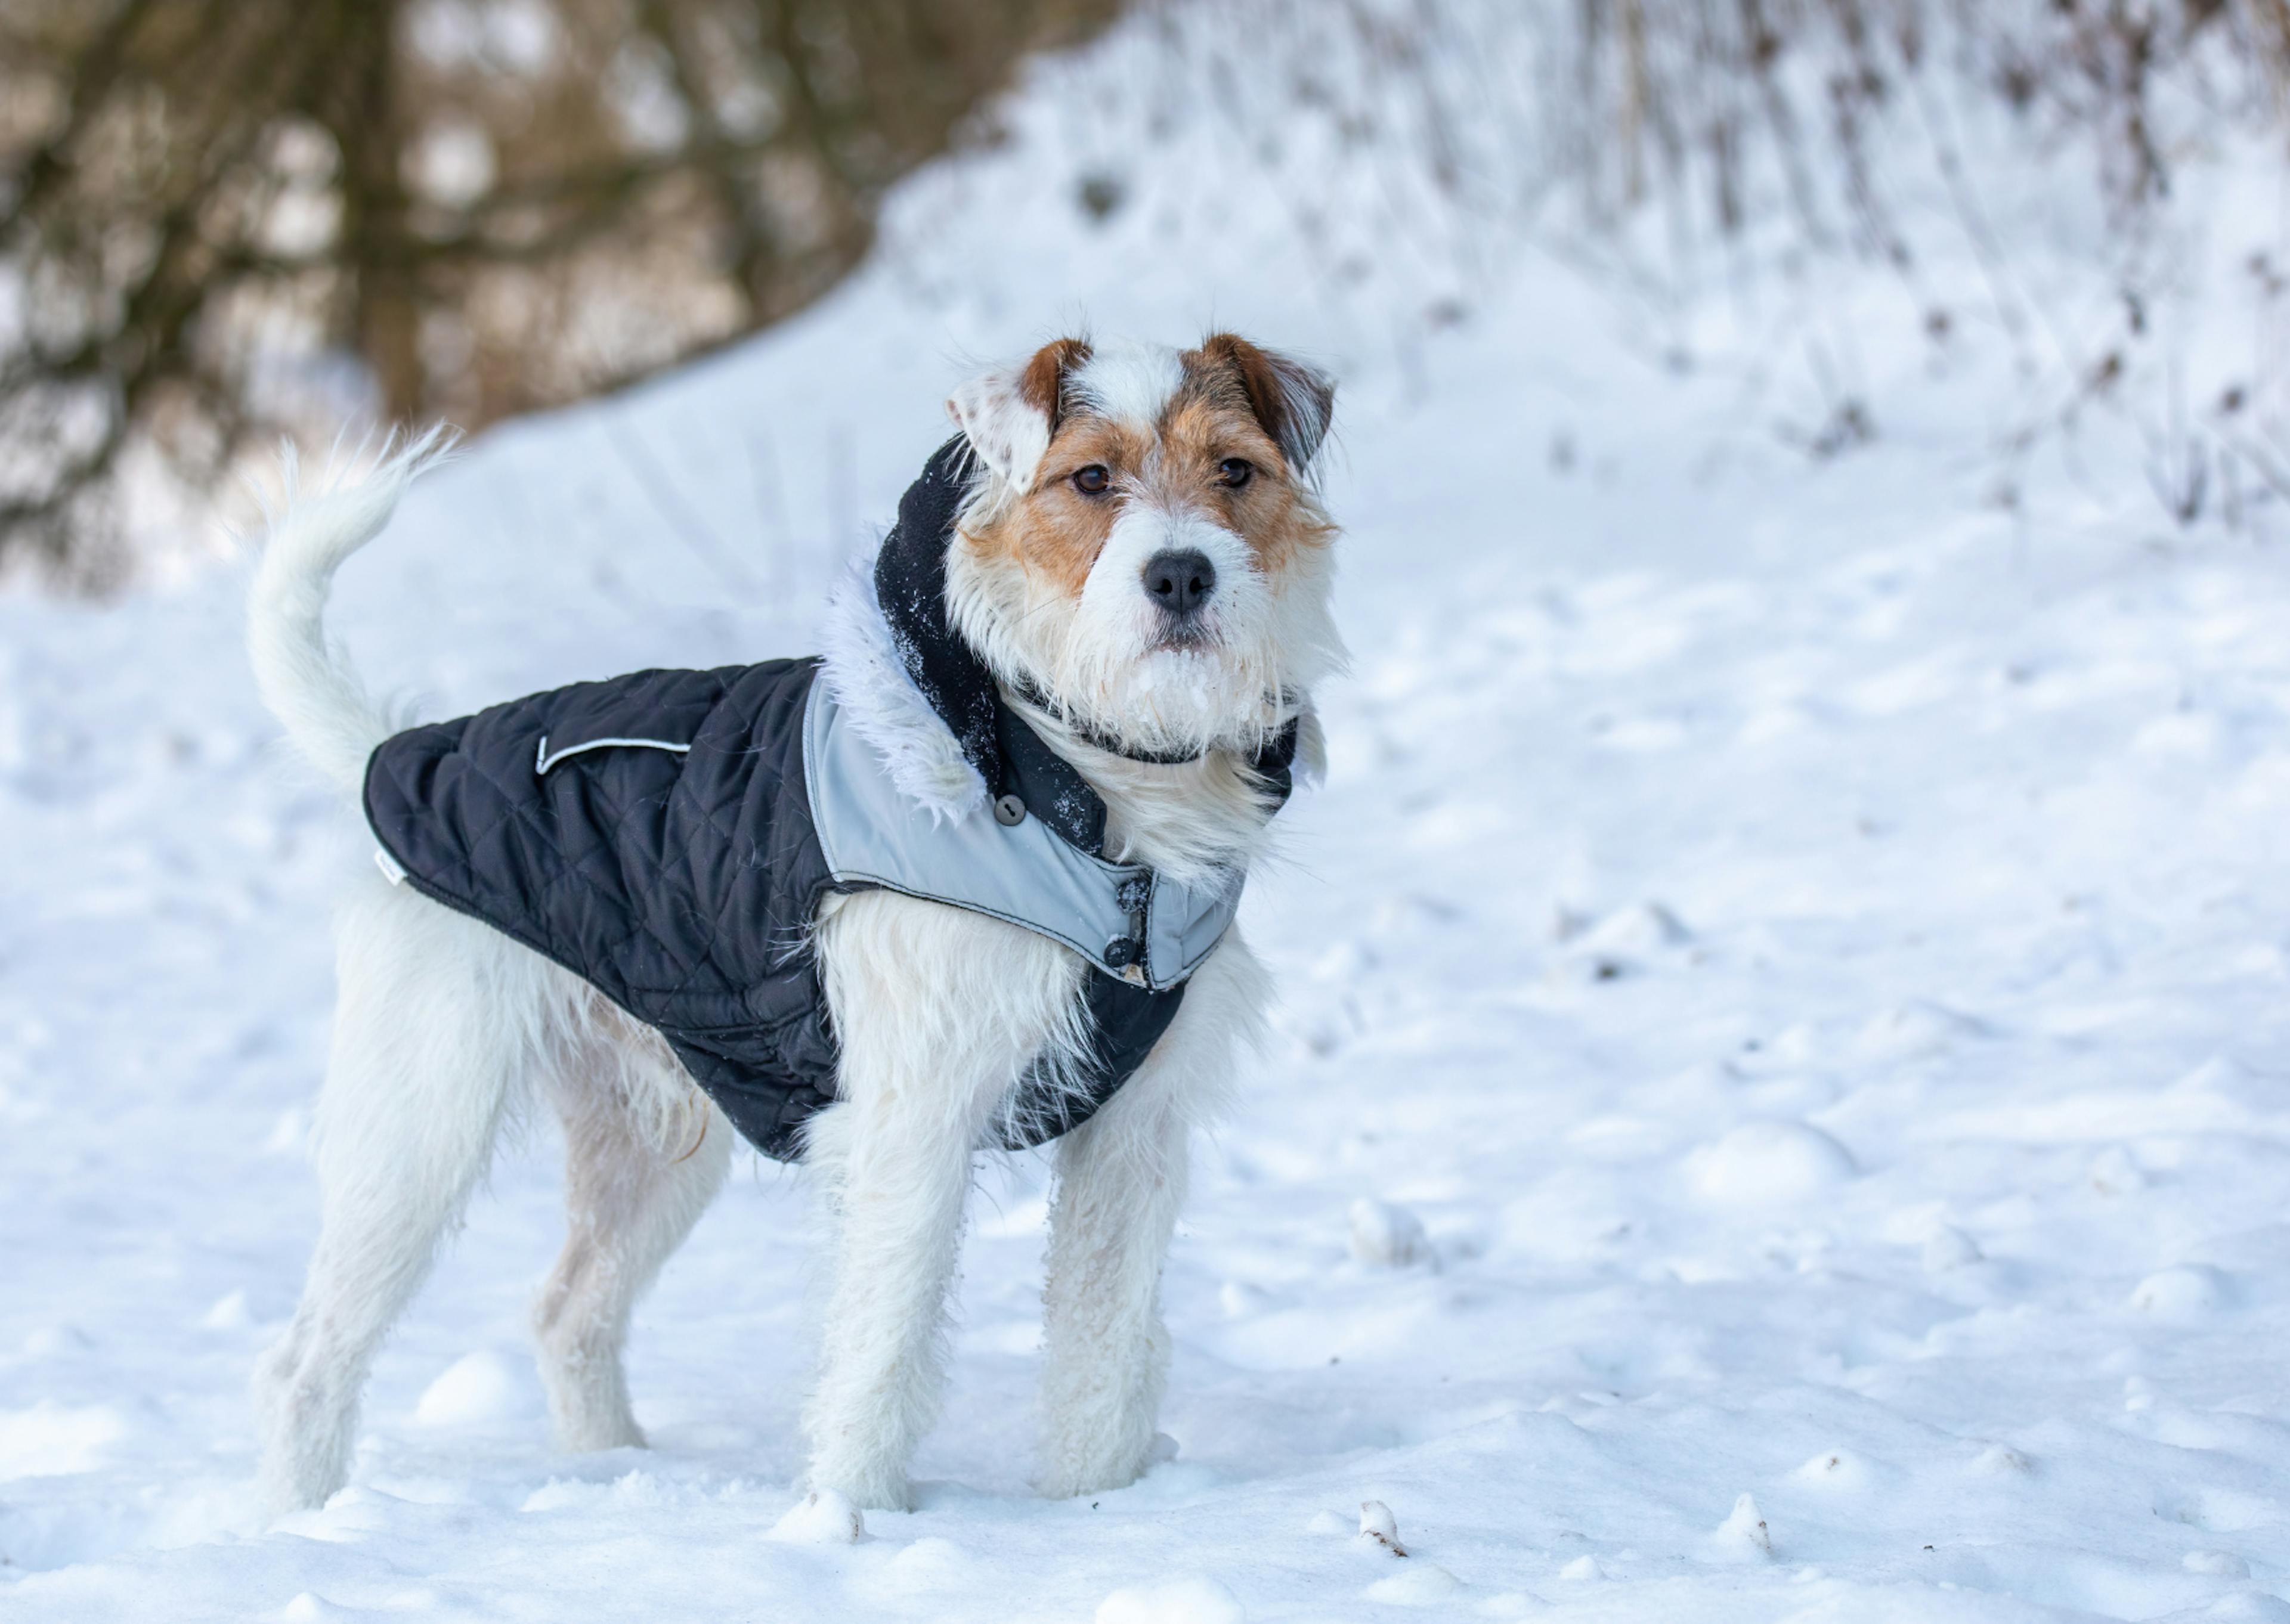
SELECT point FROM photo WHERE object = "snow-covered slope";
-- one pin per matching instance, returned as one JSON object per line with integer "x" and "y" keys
{"x": 1805, "y": 944}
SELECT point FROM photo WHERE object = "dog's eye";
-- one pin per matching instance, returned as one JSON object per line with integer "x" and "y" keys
{"x": 1235, "y": 471}
{"x": 1093, "y": 480}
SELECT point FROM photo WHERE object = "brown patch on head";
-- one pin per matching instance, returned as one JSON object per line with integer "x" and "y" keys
{"x": 1042, "y": 385}
{"x": 1057, "y": 530}
{"x": 1237, "y": 401}
{"x": 1209, "y": 425}
{"x": 1290, "y": 401}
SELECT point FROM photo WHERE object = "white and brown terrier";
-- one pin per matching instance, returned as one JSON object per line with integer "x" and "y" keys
{"x": 1141, "y": 563}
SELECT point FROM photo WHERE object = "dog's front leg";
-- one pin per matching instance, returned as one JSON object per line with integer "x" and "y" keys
{"x": 938, "y": 1012}
{"x": 1121, "y": 1181}
{"x": 896, "y": 1201}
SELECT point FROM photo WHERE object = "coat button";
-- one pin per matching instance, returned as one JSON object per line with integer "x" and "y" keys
{"x": 1121, "y": 952}
{"x": 1009, "y": 811}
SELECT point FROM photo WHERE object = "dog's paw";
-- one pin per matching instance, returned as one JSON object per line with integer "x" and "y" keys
{"x": 1071, "y": 1482}
{"x": 1097, "y": 1464}
{"x": 1070, "y": 1473}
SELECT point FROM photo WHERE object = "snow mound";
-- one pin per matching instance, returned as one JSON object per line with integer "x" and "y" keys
{"x": 52, "y": 1440}
{"x": 2246, "y": 1607}
{"x": 2181, "y": 1296}
{"x": 477, "y": 1389}
{"x": 1420, "y": 1584}
{"x": 932, "y": 1564}
{"x": 228, "y": 1314}
{"x": 1625, "y": 942}
{"x": 1833, "y": 1471}
{"x": 1916, "y": 1030}
{"x": 1997, "y": 1460}
{"x": 1387, "y": 1236}
{"x": 1769, "y": 1164}
{"x": 1193, "y": 1599}
{"x": 2114, "y": 1172}
{"x": 1239, "y": 1300}
{"x": 1379, "y": 1529}
{"x": 1742, "y": 1536}
{"x": 824, "y": 1516}
{"x": 1948, "y": 1247}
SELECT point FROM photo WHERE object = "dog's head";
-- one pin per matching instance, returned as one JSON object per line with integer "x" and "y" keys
{"x": 1144, "y": 545}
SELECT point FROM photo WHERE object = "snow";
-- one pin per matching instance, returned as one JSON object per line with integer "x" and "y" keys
{"x": 1418, "y": 1584}
{"x": 823, "y": 1517}
{"x": 1193, "y": 1599}
{"x": 1769, "y": 1163}
{"x": 1379, "y": 1529}
{"x": 1383, "y": 1233}
{"x": 477, "y": 1389}
{"x": 1800, "y": 945}
{"x": 1743, "y": 1537}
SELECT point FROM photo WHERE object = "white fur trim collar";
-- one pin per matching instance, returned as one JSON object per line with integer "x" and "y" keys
{"x": 861, "y": 667}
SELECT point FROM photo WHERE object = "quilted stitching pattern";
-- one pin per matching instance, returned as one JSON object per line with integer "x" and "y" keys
{"x": 673, "y": 884}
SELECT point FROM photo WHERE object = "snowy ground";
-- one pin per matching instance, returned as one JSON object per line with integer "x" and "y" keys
{"x": 1807, "y": 944}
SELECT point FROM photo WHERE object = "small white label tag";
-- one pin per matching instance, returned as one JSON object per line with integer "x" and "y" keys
{"x": 391, "y": 868}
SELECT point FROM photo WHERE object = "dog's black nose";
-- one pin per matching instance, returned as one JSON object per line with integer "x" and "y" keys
{"x": 1180, "y": 582}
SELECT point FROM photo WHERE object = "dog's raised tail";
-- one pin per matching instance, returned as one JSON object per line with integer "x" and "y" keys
{"x": 308, "y": 683}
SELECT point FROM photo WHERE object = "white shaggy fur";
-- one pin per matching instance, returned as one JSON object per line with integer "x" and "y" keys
{"x": 1128, "y": 381}
{"x": 448, "y": 1030}
{"x": 315, "y": 695}
{"x": 444, "y": 1030}
{"x": 1008, "y": 435}
{"x": 869, "y": 682}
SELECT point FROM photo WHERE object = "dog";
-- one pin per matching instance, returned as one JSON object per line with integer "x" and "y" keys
{"x": 1124, "y": 561}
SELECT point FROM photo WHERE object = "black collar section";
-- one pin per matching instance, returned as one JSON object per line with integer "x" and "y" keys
{"x": 910, "y": 585}
{"x": 1097, "y": 740}
{"x": 1047, "y": 783}
{"x": 1009, "y": 755}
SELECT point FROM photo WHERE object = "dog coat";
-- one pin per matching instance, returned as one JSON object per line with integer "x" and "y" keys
{"x": 668, "y": 838}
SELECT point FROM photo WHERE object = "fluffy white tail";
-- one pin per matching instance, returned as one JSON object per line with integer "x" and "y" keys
{"x": 308, "y": 684}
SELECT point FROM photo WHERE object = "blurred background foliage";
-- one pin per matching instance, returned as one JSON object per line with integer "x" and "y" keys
{"x": 227, "y": 218}
{"x": 224, "y": 220}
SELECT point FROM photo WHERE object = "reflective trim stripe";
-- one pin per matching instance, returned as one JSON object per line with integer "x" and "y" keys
{"x": 543, "y": 760}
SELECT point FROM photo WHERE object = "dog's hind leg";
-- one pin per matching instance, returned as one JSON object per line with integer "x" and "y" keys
{"x": 644, "y": 1152}
{"x": 1121, "y": 1181}
{"x": 431, "y": 1035}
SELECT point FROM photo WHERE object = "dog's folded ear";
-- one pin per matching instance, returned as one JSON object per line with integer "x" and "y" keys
{"x": 1010, "y": 414}
{"x": 1294, "y": 403}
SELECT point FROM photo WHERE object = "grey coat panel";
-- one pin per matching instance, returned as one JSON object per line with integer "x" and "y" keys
{"x": 1025, "y": 873}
